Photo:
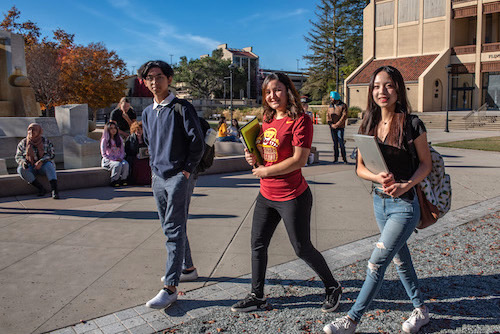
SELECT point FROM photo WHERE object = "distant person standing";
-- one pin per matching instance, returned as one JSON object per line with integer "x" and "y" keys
{"x": 34, "y": 156}
{"x": 305, "y": 105}
{"x": 123, "y": 116}
{"x": 172, "y": 131}
{"x": 337, "y": 117}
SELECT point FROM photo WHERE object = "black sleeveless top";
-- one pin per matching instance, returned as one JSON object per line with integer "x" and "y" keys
{"x": 398, "y": 160}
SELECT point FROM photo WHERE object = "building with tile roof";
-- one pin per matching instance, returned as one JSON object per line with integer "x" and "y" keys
{"x": 433, "y": 42}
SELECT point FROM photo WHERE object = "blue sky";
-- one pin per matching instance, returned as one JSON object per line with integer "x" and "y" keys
{"x": 142, "y": 30}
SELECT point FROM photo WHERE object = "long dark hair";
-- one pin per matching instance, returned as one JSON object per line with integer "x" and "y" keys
{"x": 373, "y": 113}
{"x": 293, "y": 108}
{"x": 222, "y": 120}
{"x": 106, "y": 135}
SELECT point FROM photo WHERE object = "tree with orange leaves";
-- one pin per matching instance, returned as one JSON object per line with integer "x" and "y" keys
{"x": 62, "y": 72}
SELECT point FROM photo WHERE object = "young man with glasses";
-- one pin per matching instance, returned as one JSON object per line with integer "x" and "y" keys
{"x": 172, "y": 131}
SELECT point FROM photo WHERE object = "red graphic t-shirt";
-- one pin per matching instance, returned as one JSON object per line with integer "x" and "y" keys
{"x": 276, "y": 142}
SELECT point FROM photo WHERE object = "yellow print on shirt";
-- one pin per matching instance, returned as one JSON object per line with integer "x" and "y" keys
{"x": 270, "y": 144}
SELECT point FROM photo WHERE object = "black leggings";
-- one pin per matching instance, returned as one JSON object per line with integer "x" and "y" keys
{"x": 296, "y": 214}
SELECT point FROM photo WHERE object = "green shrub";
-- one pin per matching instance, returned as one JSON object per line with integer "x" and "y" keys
{"x": 353, "y": 112}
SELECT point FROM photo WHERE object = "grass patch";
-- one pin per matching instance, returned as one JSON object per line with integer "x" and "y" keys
{"x": 483, "y": 144}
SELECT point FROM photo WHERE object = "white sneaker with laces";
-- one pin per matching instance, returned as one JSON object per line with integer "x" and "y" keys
{"x": 340, "y": 326}
{"x": 419, "y": 317}
{"x": 189, "y": 277}
{"x": 162, "y": 300}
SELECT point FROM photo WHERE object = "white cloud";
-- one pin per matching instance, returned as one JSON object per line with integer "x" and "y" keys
{"x": 273, "y": 15}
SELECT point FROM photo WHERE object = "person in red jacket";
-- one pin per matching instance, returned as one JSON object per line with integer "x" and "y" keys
{"x": 284, "y": 144}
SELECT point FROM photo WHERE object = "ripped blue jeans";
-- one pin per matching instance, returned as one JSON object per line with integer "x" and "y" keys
{"x": 396, "y": 219}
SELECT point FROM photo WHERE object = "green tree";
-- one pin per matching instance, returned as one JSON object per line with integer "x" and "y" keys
{"x": 335, "y": 44}
{"x": 204, "y": 77}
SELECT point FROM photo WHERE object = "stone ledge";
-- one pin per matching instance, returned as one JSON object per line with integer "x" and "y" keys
{"x": 13, "y": 185}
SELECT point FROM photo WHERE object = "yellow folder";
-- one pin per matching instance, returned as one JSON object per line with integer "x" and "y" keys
{"x": 249, "y": 133}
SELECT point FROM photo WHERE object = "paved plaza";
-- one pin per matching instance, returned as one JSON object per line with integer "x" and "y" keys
{"x": 98, "y": 254}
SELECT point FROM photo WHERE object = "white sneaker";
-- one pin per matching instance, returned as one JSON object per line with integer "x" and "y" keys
{"x": 189, "y": 277}
{"x": 419, "y": 317}
{"x": 162, "y": 300}
{"x": 340, "y": 326}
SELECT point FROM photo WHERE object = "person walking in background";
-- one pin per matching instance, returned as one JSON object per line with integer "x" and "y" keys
{"x": 35, "y": 155}
{"x": 137, "y": 156}
{"x": 337, "y": 117}
{"x": 222, "y": 129}
{"x": 172, "y": 131}
{"x": 395, "y": 203}
{"x": 113, "y": 155}
{"x": 305, "y": 105}
{"x": 123, "y": 116}
{"x": 284, "y": 144}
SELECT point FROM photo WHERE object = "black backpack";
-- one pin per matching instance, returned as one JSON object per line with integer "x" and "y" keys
{"x": 209, "y": 154}
{"x": 207, "y": 160}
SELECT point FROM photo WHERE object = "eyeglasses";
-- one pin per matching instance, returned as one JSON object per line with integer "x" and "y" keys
{"x": 151, "y": 78}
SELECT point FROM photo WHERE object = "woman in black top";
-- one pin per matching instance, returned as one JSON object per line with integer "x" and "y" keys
{"x": 395, "y": 204}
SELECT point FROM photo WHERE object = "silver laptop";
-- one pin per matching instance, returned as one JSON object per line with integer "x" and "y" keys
{"x": 370, "y": 151}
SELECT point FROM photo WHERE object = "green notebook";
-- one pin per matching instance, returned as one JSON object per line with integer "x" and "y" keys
{"x": 249, "y": 133}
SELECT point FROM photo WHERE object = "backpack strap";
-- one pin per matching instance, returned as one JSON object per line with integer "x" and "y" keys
{"x": 409, "y": 144}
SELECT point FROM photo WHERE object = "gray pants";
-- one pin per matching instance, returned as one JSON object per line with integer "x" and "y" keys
{"x": 119, "y": 169}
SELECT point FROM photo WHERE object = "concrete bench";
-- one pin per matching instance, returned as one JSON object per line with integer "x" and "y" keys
{"x": 228, "y": 148}
{"x": 13, "y": 185}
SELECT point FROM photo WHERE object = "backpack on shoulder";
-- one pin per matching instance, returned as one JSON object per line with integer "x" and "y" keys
{"x": 434, "y": 192}
{"x": 207, "y": 160}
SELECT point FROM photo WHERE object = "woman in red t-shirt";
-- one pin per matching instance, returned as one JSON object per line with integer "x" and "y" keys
{"x": 284, "y": 144}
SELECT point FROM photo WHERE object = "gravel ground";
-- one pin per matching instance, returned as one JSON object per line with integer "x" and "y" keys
{"x": 459, "y": 276}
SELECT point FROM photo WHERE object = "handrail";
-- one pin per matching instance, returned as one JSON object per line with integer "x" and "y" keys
{"x": 477, "y": 114}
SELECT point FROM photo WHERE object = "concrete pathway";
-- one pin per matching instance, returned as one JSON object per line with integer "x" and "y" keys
{"x": 98, "y": 251}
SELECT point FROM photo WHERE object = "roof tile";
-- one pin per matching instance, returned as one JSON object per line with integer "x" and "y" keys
{"x": 410, "y": 67}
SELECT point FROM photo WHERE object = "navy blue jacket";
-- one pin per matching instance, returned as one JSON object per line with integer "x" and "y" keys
{"x": 175, "y": 140}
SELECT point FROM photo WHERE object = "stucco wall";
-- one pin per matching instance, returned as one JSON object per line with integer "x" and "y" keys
{"x": 407, "y": 37}
{"x": 358, "y": 96}
{"x": 384, "y": 43}
{"x": 434, "y": 37}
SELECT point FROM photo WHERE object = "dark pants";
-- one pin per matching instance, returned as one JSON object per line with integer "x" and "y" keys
{"x": 338, "y": 139}
{"x": 296, "y": 215}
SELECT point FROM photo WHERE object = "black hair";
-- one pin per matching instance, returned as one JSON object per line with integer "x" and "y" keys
{"x": 142, "y": 72}
{"x": 373, "y": 113}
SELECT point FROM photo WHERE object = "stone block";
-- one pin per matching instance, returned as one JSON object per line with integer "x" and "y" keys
{"x": 81, "y": 152}
{"x": 227, "y": 148}
{"x": 3, "y": 167}
{"x": 18, "y": 126}
{"x": 6, "y": 109}
{"x": 72, "y": 119}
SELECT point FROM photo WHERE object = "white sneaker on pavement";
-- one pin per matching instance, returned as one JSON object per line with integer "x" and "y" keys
{"x": 163, "y": 299}
{"x": 340, "y": 326}
{"x": 419, "y": 317}
{"x": 185, "y": 276}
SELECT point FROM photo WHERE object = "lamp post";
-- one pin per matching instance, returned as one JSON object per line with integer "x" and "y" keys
{"x": 231, "y": 68}
{"x": 225, "y": 78}
{"x": 448, "y": 72}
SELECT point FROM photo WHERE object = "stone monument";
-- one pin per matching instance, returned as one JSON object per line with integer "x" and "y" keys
{"x": 18, "y": 108}
{"x": 17, "y": 98}
{"x": 80, "y": 151}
